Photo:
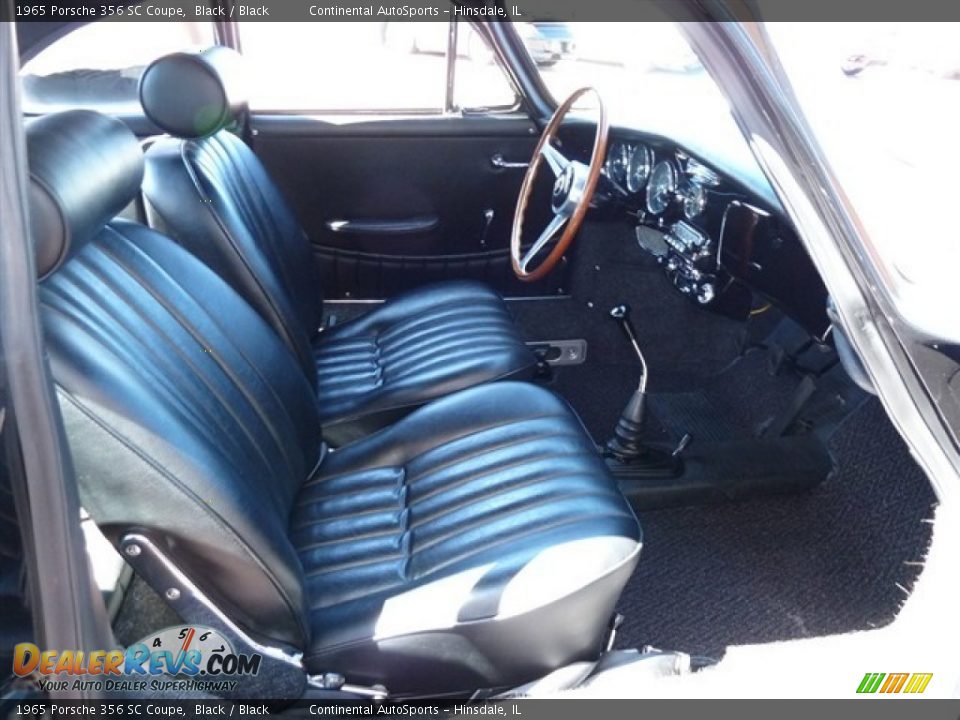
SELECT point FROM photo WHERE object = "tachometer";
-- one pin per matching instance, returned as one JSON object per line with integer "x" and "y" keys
{"x": 662, "y": 185}
{"x": 638, "y": 169}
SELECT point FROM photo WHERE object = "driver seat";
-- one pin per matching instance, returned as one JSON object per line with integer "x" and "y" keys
{"x": 205, "y": 188}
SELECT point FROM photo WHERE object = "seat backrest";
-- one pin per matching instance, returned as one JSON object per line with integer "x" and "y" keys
{"x": 205, "y": 188}
{"x": 188, "y": 418}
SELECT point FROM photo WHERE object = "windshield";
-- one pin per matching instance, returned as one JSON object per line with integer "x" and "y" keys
{"x": 650, "y": 80}
{"x": 642, "y": 69}
{"x": 884, "y": 102}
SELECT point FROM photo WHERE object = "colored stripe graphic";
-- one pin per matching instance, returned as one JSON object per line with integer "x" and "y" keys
{"x": 870, "y": 682}
{"x": 918, "y": 682}
{"x": 895, "y": 682}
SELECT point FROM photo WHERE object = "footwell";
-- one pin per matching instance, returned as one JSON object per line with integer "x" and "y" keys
{"x": 836, "y": 559}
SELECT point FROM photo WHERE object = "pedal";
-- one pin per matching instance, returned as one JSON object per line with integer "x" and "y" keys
{"x": 777, "y": 425}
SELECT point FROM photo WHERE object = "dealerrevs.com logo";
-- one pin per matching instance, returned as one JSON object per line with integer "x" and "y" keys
{"x": 192, "y": 658}
{"x": 891, "y": 683}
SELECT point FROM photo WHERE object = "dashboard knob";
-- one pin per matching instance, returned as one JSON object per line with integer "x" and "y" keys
{"x": 705, "y": 293}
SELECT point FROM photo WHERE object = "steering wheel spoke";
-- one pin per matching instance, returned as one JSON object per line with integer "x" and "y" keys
{"x": 546, "y": 236}
{"x": 555, "y": 159}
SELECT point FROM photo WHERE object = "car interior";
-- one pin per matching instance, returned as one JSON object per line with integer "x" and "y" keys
{"x": 390, "y": 405}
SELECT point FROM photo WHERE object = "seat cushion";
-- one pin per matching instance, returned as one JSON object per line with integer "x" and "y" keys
{"x": 421, "y": 345}
{"x": 481, "y": 534}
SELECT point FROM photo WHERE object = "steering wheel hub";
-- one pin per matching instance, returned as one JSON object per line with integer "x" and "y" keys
{"x": 568, "y": 188}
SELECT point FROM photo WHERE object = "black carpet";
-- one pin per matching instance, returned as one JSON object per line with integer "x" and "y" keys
{"x": 691, "y": 413}
{"x": 731, "y": 404}
{"x": 142, "y": 612}
{"x": 826, "y": 561}
{"x": 823, "y": 562}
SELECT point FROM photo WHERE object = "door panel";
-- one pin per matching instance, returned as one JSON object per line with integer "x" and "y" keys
{"x": 391, "y": 204}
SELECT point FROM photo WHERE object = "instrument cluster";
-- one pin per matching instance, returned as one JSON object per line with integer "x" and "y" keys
{"x": 669, "y": 193}
{"x": 717, "y": 241}
{"x": 656, "y": 181}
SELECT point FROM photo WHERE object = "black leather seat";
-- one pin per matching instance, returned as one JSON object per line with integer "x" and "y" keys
{"x": 208, "y": 190}
{"x": 478, "y": 542}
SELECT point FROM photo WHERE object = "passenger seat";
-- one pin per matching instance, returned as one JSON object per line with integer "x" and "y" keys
{"x": 208, "y": 190}
{"x": 477, "y": 543}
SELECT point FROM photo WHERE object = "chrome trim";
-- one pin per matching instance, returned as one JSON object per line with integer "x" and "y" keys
{"x": 449, "y": 104}
{"x": 723, "y": 232}
{"x": 497, "y": 161}
{"x": 618, "y": 157}
{"x": 282, "y": 673}
{"x": 692, "y": 190}
{"x": 673, "y": 187}
{"x": 337, "y": 225}
{"x": 648, "y": 165}
{"x": 351, "y": 301}
{"x": 693, "y": 241}
{"x": 703, "y": 174}
{"x": 572, "y": 352}
{"x": 507, "y": 298}
{"x": 488, "y": 216}
{"x": 337, "y": 682}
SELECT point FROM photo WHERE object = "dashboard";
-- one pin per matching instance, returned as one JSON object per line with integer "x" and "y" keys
{"x": 719, "y": 243}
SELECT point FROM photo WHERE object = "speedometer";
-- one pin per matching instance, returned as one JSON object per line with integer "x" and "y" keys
{"x": 662, "y": 185}
{"x": 615, "y": 167}
{"x": 638, "y": 169}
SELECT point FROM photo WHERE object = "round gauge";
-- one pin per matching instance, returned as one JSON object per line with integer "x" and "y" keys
{"x": 188, "y": 637}
{"x": 694, "y": 199}
{"x": 617, "y": 161}
{"x": 197, "y": 639}
{"x": 638, "y": 168}
{"x": 660, "y": 188}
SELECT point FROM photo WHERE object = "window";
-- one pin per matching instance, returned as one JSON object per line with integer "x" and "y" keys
{"x": 99, "y": 64}
{"x": 479, "y": 81}
{"x": 366, "y": 66}
{"x": 645, "y": 72}
{"x": 883, "y": 100}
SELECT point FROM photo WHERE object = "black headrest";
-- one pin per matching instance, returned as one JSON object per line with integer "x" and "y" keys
{"x": 194, "y": 94}
{"x": 84, "y": 169}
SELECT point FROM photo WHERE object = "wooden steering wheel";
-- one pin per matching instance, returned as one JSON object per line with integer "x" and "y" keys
{"x": 573, "y": 189}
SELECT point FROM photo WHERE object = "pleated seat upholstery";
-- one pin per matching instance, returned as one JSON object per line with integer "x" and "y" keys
{"x": 209, "y": 191}
{"x": 421, "y": 345}
{"x": 477, "y": 543}
{"x": 495, "y": 496}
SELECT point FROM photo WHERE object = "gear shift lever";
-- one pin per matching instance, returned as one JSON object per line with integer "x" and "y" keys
{"x": 621, "y": 313}
{"x": 625, "y": 445}
{"x": 628, "y": 455}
